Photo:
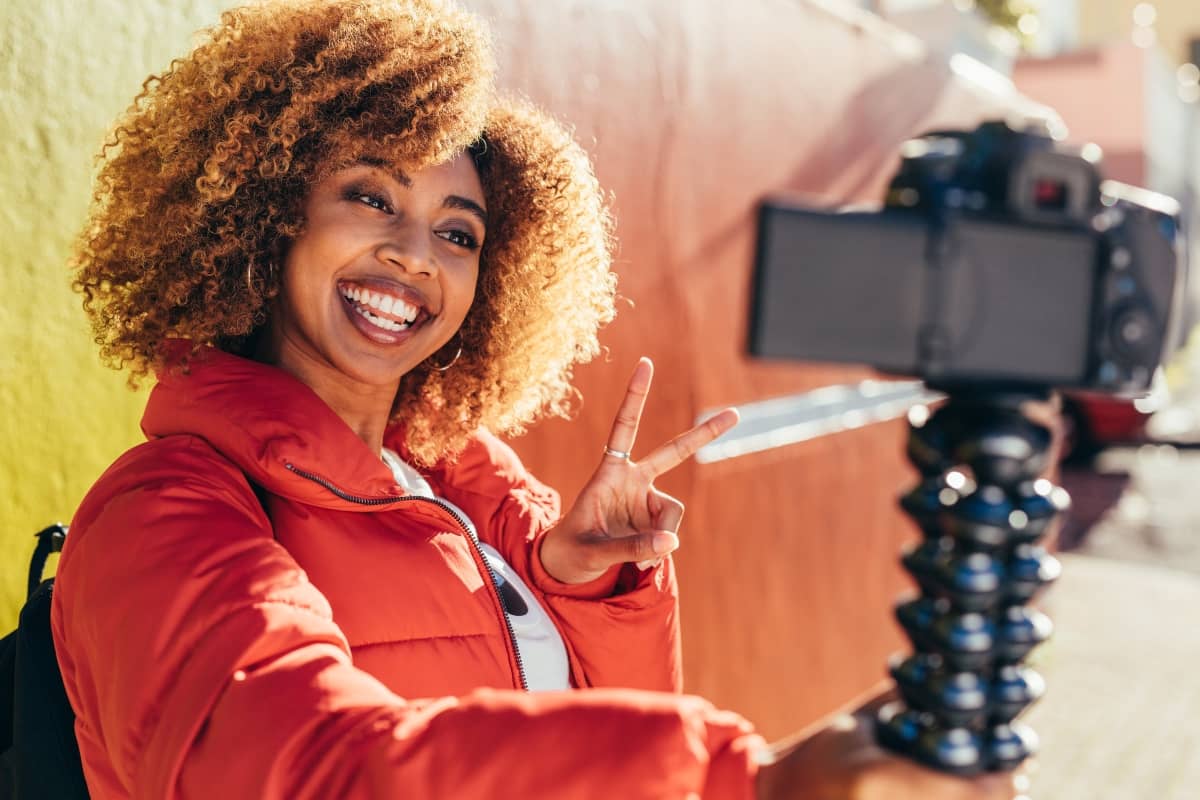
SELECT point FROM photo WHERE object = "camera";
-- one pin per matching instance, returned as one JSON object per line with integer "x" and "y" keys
{"x": 1001, "y": 256}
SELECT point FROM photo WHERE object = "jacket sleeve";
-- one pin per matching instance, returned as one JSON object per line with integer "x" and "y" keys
{"x": 201, "y": 663}
{"x": 621, "y": 629}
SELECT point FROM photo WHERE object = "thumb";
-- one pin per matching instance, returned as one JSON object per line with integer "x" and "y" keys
{"x": 638, "y": 547}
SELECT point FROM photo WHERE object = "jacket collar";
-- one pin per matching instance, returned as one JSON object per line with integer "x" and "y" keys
{"x": 273, "y": 427}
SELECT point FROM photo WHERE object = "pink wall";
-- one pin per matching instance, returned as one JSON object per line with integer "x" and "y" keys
{"x": 1100, "y": 93}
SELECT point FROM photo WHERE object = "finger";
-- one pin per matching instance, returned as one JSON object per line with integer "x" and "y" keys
{"x": 666, "y": 513}
{"x": 629, "y": 415}
{"x": 641, "y": 547}
{"x": 985, "y": 787}
{"x": 998, "y": 787}
{"x": 670, "y": 455}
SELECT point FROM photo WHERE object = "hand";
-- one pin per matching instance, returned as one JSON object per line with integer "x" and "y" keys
{"x": 842, "y": 762}
{"x": 619, "y": 516}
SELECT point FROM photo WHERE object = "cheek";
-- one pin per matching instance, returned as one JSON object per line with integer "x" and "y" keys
{"x": 465, "y": 284}
{"x": 303, "y": 288}
{"x": 467, "y": 294}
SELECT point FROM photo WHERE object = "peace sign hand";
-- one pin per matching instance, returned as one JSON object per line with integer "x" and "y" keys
{"x": 620, "y": 516}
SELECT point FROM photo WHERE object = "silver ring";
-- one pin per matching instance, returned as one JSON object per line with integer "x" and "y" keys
{"x": 621, "y": 454}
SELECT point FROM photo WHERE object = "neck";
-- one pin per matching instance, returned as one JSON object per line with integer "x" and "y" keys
{"x": 366, "y": 415}
{"x": 365, "y": 408}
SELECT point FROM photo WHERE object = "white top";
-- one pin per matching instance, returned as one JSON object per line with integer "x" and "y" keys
{"x": 543, "y": 655}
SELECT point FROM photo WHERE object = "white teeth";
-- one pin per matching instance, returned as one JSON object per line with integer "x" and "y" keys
{"x": 379, "y": 322}
{"x": 384, "y": 303}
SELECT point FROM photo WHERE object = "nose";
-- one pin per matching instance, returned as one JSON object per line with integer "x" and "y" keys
{"x": 408, "y": 251}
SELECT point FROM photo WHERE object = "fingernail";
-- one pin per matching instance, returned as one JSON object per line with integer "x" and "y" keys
{"x": 663, "y": 543}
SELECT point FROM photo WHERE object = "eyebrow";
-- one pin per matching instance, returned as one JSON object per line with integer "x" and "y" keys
{"x": 382, "y": 164}
{"x": 468, "y": 205}
{"x": 452, "y": 201}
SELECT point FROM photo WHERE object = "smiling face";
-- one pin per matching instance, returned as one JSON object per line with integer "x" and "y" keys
{"x": 382, "y": 276}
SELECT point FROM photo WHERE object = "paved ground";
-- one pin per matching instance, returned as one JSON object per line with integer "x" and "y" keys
{"x": 1121, "y": 717}
{"x": 1140, "y": 505}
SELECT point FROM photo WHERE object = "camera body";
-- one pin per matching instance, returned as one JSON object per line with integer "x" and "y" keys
{"x": 1000, "y": 257}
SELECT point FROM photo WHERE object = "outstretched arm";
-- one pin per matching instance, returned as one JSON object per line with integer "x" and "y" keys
{"x": 202, "y": 663}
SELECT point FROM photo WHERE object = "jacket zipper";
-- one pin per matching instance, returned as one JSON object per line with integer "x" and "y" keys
{"x": 466, "y": 529}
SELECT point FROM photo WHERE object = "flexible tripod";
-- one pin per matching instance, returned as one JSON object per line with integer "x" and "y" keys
{"x": 981, "y": 508}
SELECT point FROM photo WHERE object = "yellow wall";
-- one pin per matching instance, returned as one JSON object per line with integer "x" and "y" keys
{"x": 1104, "y": 20}
{"x": 67, "y": 67}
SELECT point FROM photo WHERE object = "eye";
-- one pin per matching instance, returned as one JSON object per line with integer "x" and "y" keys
{"x": 463, "y": 239}
{"x": 374, "y": 201}
{"x": 368, "y": 197}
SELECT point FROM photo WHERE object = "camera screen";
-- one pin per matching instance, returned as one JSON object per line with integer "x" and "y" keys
{"x": 839, "y": 287}
{"x": 1018, "y": 301}
{"x": 1003, "y": 302}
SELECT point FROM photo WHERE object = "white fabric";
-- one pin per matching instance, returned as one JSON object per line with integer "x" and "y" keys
{"x": 543, "y": 655}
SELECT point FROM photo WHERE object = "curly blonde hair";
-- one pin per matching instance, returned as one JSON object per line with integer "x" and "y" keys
{"x": 202, "y": 183}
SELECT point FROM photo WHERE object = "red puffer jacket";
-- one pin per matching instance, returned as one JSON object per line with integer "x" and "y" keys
{"x": 218, "y": 643}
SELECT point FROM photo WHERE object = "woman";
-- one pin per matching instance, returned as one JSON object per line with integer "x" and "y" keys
{"x": 346, "y": 262}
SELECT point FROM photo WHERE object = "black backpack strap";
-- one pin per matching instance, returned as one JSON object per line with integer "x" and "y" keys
{"x": 50, "y": 540}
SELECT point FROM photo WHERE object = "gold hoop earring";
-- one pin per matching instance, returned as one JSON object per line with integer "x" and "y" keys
{"x": 450, "y": 364}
